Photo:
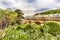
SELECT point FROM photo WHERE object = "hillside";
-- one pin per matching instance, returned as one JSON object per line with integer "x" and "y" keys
{"x": 49, "y": 12}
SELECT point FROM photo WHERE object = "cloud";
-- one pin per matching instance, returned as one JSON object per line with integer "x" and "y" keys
{"x": 58, "y": 1}
{"x": 41, "y": 9}
{"x": 29, "y": 7}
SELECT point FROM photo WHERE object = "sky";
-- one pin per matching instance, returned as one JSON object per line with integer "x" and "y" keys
{"x": 30, "y": 7}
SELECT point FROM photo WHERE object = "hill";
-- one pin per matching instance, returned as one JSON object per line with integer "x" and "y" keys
{"x": 49, "y": 12}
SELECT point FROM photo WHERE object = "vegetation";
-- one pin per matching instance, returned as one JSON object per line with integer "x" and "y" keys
{"x": 54, "y": 28}
{"x": 49, "y": 12}
{"x": 14, "y": 30}
{"x": 20, "y": 13}
{"x": 27, "y": 32}
{"x": 10, "y": 17}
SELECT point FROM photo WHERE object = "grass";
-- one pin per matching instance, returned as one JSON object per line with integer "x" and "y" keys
{"x": 31, "y": 32}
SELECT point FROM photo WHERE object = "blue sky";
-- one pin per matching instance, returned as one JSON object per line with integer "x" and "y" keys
{"x": 29, "y": 7}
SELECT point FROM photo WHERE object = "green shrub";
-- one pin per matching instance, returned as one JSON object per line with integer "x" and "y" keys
{"x": 27, "y": 32}
{"x": 11, "y": 33}
{"x": 52, "y": 27}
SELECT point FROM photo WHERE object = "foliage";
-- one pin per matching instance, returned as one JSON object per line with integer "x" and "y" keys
{"x": 20, "y": 13}
{"x": 26, "y": 32}
{"x": 11, "y": 33}
{"x": 19, "y": 16}
{"x": 52, "y": 27}
{"x": 10, "y": 16}
{"x": 17, "y": 31}
{"x": 49, "y": 12}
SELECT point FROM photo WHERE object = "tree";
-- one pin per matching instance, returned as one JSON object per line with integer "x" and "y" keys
{"x": 20, "y": 13}
{"x": 20, "y": 16}
{"x": 10, "y": 15}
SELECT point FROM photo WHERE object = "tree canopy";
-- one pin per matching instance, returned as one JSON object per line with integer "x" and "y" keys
{"x": 10, "y": 16}
{"x": 20, "y": 13}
